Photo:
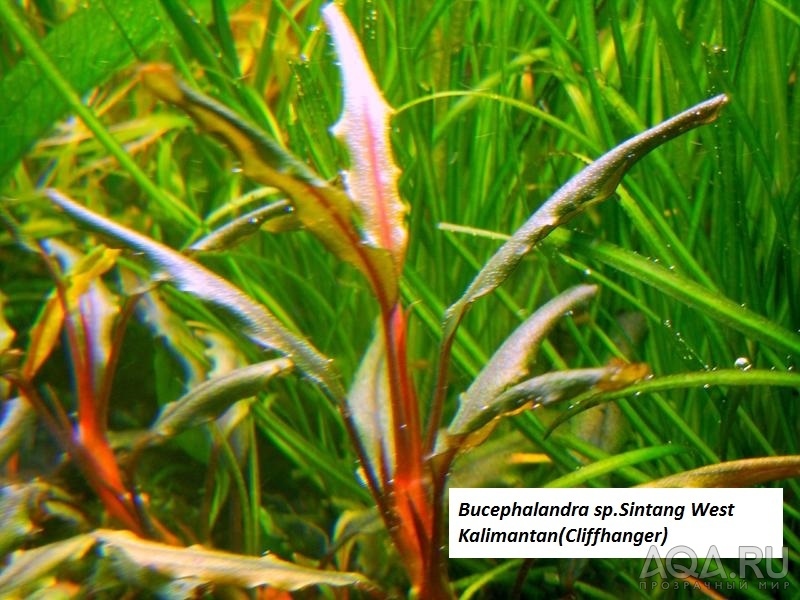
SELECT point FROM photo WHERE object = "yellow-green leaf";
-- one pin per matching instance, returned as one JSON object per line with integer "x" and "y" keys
{"x": 83, "y": 277}
{"x": 218, "y": 567}
{"x": 27, "y": 566}
{"x": 735, "y": 473}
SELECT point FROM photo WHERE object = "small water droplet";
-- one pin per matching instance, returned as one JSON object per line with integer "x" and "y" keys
{"x": 742, "y": 363}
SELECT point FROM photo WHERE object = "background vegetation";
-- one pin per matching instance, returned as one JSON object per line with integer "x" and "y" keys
{"x": 498, "y": 104}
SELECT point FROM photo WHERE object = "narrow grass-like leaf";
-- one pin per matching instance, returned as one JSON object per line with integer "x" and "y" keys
{"x": 27, "y": 566}
{"x": 259, "y": 324}
{"x": 369, "y": 404}
{"x": 510, "y": 363}
{"x": 234, "y": 232}
{"x": 615, "y": 463}
{"x": 593, "y": 184}
{"x": 211, "y": 397}
{"x": 213, "y": 566}
{"x": 718, "y": 377}
{"x": 711, "y": 303}
{"x": 29, "y": 103}
{"x": 364, "y": 126}
{"x": 735, "y": 473}
{"x": 42, "y": 58}
{"x": 323, "y": 209}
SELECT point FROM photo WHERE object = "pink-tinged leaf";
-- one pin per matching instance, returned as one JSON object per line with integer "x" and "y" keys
{"x": 364, "y": 127}
{"x": 323, "y": 209}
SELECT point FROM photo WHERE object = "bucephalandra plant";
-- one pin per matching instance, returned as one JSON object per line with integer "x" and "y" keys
{"x": 404, "y": 445}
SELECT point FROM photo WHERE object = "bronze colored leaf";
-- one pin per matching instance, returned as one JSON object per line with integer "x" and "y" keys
{"x": 735, "y": 473}
{"x": 484, "y": 399}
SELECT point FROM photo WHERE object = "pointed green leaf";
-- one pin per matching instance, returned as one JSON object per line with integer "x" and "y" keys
{"x": 593, "y": 184}
{"x": 368, "y": 402}
{"x": 323, "y": 209}
{"x": 364, "y": 126}
{"x": 510, "y": 363}
{"x": 258, "y": 323}
{"x": 735, "y": 473}
{"x": 218, "y": 567}
{"x": 211, "y": 397}
{"x": 615, "y": 464}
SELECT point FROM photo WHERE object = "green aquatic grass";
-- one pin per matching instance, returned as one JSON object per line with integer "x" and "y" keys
{"x": 498, "y": 106}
